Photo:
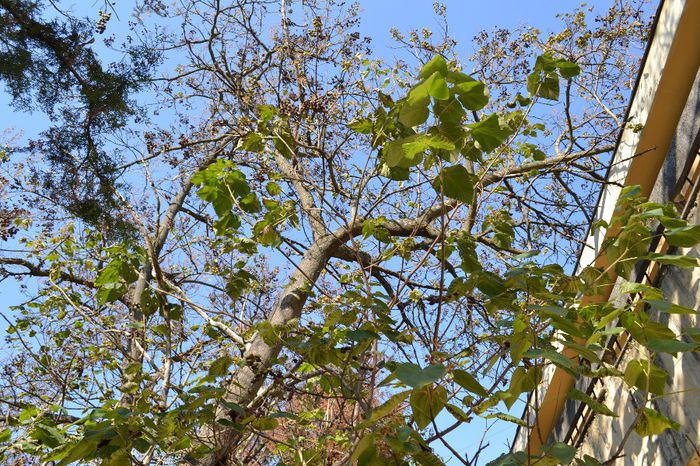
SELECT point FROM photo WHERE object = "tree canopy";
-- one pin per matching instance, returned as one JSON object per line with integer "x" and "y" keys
{"x": 250, "y": 240}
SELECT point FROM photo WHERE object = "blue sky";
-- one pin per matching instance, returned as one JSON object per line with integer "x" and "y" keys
{"x": 466, "y": 18}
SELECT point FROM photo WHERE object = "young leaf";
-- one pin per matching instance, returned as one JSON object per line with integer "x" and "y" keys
{"x": 652, "y": 422}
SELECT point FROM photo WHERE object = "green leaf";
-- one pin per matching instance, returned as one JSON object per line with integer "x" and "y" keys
{"x": 490, "y": 133}
{"x": 437, "y": 87}
{"x": 455, "y": 182}
{"x": 652, "y": 422}
{"x": 427, "y": 458}
{"x": 521, "y": 381}
{"x": 670, "y": 308}
{"x": 265, "y": 423}
{"x": 436, "y": 65}
{"x": 361, "y": 335}
{"x": 557, "y": 358}
{"x": 568, "y": 69}
{"x": 250, "y": 204}
{"x": 472, "y": 94}
{"x": 467, "y": 381}
{"x": 47, "y": 435}
{"x": 683, "y": 236}
{"x": 669, "y": 346}
{"x": 82, "y": 450}
{"x": 5, "y": 435}
{"x": 283, "y": 140}
{"x": 267, "y": 112}
{"x": 252, "y": 142}
{"x": 112, "y": 280}
{"x": 395, "y": 154}
{"x": 488, "y": 282}
{"x": 415, "y": 112}
{"x": 109, "y": 293}
{"x": 588, "y": 461}
{"x": 119, "y": 458}
{"x": 426, "y": 404}
{"x": 385, "y": 409}
{"x": 363, "y": 126}
{"x": 545, "y": 85}
{"x": 182, "y": 444}
{"x": 416, "y": 377}
{"x": 563, "y": 452}
{"x": 220, "y": 366}
{"x": 595, "y": 405}
{"x": 467, "y": 252}
{"x": 434, "y": 86}
{"x": 646, "y": 376}
{"x": 365, "y": 445}
{"x": 685, "y": 262}
{"x": 457, "y": 412}
{"x": 423, "y": 142}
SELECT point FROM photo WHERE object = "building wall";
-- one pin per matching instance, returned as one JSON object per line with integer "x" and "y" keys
{"x": 681, "y": 286}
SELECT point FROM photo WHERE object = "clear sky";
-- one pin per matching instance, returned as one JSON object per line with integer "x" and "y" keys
{"x": 466, "y": 18}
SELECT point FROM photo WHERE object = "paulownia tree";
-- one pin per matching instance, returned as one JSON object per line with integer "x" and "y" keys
{"x": 294, "y": 252}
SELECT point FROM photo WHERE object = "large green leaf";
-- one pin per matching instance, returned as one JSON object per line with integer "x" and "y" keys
{"x": 437, "y": 87}
{"x": 554, "y": 356}
{"x": 436, "y": 65}
{"x": 544, "y": 80}
{"x": 416, "y": 113}
{"x": 395, "y": 155}
{"x": 472, "y": 94}
{"x": 490, "y": 133}
{"x": 426, "y": 404}
{"x": 455, "y": 182}
{"x": 112, "y": 281}
{"x": 424, "y": 142}
{"x": 670, "y": 308}
{"x": 568, "y": 69}
{"x": 427, "y": 458}
{"x": 683, "y": 236}
{"x": 414, "y": 110}
{"x": 417, "y": 377}
{"x": 220, "y": 366}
